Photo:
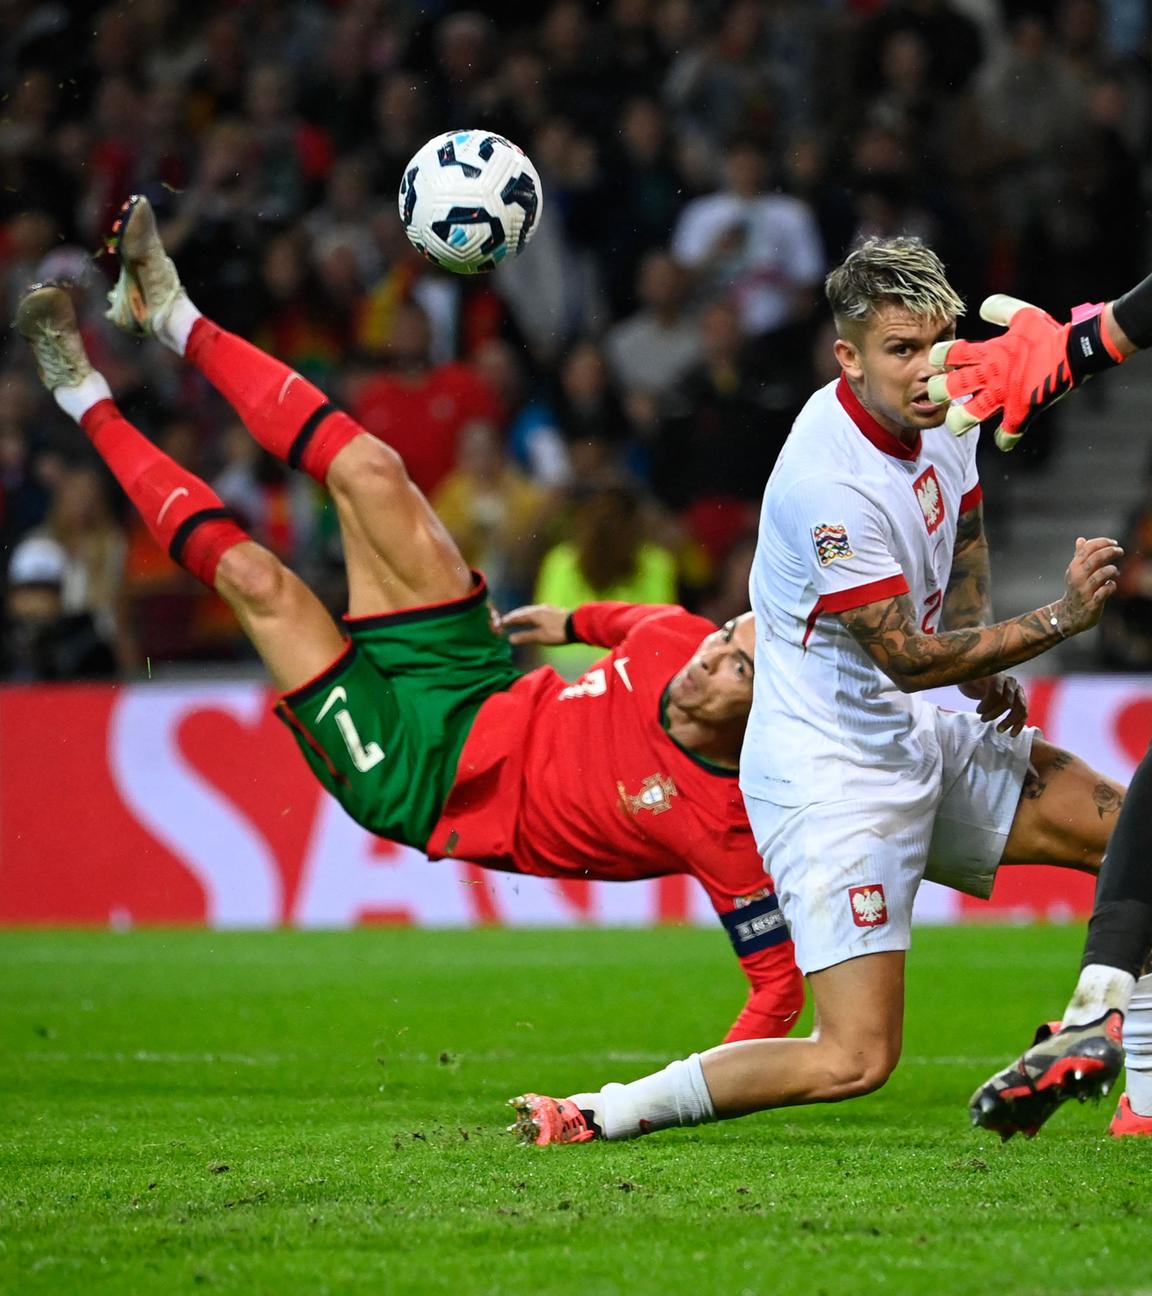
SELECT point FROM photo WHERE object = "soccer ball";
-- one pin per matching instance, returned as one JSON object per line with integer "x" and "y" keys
{"x": 468, "y": 199}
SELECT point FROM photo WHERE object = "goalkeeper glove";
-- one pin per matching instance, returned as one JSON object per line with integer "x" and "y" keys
{"x": 1023, "y": 371}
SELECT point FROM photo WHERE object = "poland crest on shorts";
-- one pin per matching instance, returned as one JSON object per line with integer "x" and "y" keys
{"x": 869, "y": 908}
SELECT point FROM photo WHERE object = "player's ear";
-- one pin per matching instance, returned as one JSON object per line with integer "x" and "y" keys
{"x": 848, "y": 355}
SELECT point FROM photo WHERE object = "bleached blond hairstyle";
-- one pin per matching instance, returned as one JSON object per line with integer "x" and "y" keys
{"x": 890, "y": 272}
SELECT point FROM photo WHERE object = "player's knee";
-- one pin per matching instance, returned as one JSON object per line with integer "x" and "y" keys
{"x": 253, "y": 577}
{"x": 368, "y": 469}
{"x": 862, "y": 1070}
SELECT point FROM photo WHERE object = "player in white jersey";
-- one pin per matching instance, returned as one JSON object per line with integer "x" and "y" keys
{"x": 870, "y": 585}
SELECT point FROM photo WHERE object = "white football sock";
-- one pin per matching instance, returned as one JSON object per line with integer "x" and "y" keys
{"x": 1138, "y": 1047}
{"x": 176, "y": 326}
{"x": 77, "y": 401}
{"x": 1099, "y": 990}
{"x": 678, "y": 1095}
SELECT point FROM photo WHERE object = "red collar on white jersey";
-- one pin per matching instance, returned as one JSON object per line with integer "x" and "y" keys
{"x": 880, "y": 437}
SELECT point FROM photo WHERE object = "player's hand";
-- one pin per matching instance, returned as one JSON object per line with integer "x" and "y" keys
{"x": 1089, "y": 583}
{"x": 1023, "y": 371}
{"x": 538, "y": 623}
{"x": 999, "y": 696}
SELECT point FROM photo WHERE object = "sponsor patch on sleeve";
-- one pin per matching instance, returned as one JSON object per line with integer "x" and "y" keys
{"x": 831, "y": 541}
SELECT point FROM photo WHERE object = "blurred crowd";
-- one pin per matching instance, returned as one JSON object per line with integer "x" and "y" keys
{"x": 598, "y": 418}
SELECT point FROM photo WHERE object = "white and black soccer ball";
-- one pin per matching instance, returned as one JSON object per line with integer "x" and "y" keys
{"x": 468, "y": 199}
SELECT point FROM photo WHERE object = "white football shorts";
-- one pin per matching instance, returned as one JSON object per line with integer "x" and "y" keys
{"x": 847, "y": 871}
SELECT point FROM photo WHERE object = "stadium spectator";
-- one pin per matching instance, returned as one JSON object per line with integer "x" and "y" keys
{"x": 729, "y": 589}
{"x": 494, "y": 513}
{"x": 337, "y": 92}
{"x": 345, "y": 215}
{"x": 1125, "y": 640}
{"x": 464, "y": 51}
{"x": 610, "y": 557}
{"x": 554, "y": 290}
{"x": 647, "y": 195}
{"x": 419, "y": 408}
{"x": 535, "y": 444}
{"x": 29, "y": 236}
{"x": 32, "y": 177}
{"x": 720, "y": 435}
{"x": 290, "y": 157}
{"x": 1029, "y": 110}
{"x": 277, "y": 508}
{"x": 760, "y": 248}
{"x": 652, "y": 350}
{"x": 294, "y": 312}
{"x": 951, "y": 38}
{"x": 516, "y": 98}
{"x": 721, "y": 85}
{"x": 42, "y": 641}
{"x": 24, "y": 495}
{"x": 218, "y": 228}
{"x": 590, "y": 415}
{"x": 400, "y": 122}
{"x": 579, "y": 74}
{"x": 219, "y": 61}
{"x": 80, "y": 524}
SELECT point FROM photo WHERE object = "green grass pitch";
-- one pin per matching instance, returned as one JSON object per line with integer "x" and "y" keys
{"x": 322, "y": 1112}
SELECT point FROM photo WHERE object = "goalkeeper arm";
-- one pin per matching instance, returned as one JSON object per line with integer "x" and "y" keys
{"x": 1037, "y": 360}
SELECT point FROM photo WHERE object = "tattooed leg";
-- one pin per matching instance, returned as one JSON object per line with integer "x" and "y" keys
{"x": 1066, "y": 814}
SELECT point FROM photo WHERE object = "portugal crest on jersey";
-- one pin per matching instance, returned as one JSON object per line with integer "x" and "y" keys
{"x": 656, "y": 793}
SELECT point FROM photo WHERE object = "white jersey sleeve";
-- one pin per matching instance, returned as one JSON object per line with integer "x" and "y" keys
{"x": 842, "y": 542}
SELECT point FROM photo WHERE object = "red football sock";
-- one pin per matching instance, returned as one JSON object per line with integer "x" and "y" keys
{"x": 186, "y": 516}
{"x": 289, "y": 417}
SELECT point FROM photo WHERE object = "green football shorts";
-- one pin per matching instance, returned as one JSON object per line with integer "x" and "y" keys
{"x": 383, "y": 726}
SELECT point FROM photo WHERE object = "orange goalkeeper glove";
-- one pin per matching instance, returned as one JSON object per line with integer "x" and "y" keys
{"x": 1023, "y": 371}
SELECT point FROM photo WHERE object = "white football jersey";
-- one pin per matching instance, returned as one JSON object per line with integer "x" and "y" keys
{"x": 851, "y": 516}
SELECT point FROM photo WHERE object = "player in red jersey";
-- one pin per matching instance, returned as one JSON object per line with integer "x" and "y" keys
{"x": 413, "y": 715}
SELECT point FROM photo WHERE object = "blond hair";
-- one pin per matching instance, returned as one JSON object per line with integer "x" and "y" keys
{"x": 890, "y": 272}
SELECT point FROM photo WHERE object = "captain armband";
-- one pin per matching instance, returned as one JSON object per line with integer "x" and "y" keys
{"x": 757, "y": 925}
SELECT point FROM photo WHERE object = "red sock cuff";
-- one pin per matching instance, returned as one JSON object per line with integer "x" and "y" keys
{"x": 323, "y": 441}
{"x": 185, "y": 516}
{"x": 286, "y": 414}
{"x": 207, "y": 540}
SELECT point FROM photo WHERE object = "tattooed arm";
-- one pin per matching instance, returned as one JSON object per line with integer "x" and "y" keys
{"x": 889, "y": 632}
{"x": 967, "y": 600}
{"x": 967, "y": 603}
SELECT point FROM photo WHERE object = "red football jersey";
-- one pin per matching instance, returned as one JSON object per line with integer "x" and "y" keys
{"x": 582, "y": 780}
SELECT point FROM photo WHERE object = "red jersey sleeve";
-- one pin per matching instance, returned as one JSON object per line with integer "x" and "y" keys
{"x": 607, "y": 624}
{"x": 760, "y": 940}
{"x": 776, "y": 997}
